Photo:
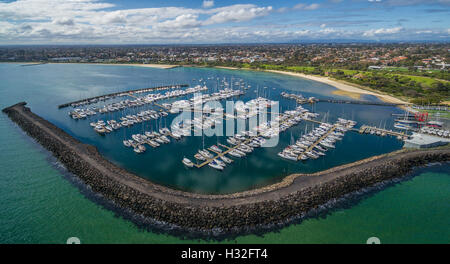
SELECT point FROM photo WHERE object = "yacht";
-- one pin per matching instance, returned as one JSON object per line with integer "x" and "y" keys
{"x": 285, "y": 155}
{"x": 326, "y": 144}
{"x": 216, "y": 148}
{"x": 311, "y": 155}
{"x": 188, "y": 162}
{"x": 199, "y": 156}
{"x": 303, "y": 157}
{"x": 206, "y": 153}
{"x": 221, "y": 163}
{"x": 215, "y": 165}
{"x": 235, "y": 153}
{"x": 159, "y": 140}
{"x": 226, "y": 160}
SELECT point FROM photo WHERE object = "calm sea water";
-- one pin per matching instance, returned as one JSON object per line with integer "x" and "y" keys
{"x": 40, "y": 206}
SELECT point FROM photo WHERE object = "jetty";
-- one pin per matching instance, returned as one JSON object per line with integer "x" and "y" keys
{"x": 381, "y": 131}
{"x": 335, "y": 101}
{"x": 234, "y": 147}
{"x": 123, "y": 93}
{"x": 318, "y": 141}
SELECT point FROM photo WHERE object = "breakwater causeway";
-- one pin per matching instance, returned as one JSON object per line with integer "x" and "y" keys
{"x": 230, "y": 213}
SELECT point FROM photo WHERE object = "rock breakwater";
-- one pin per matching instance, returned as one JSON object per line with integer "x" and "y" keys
{"x": 230, "y": 213}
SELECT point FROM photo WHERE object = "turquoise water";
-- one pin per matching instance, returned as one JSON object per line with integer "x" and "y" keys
{"x": 39, "y": 204}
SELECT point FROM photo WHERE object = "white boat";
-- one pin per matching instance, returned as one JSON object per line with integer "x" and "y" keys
{"x": 231, "y": 141}
{"x": 326, "y": 144}
{"x": 199, "y": 156}
{"x": 311, "y": 155}
{"x": 206, "y": 153}
{"x": 303, "y": 157}
{"x": 236, "y": 154}
{"x": 216, "y": 148}
{"x": 285, "y": 155}
{"x": 188, "y": 162}
{"x": 221, "y": 163}
{"x": 126, "y": 143}
{"x": 159, "y": 140}
{"x": 214, "y": 165}
{"x": 176, "y": 135}
{"x": 142, "y": 148}
{"x": 226, "y": 160}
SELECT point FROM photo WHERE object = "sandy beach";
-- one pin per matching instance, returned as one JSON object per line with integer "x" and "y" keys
{"x": 159, "y": 66}
{"x": 343, "y": 88}
{"x": 347, "y": 89}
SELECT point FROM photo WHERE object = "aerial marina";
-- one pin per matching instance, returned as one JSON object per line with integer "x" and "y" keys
{"x": 240, "y": 124}
{"x": 223, "y": 136}
{"x": 156, "y": 106}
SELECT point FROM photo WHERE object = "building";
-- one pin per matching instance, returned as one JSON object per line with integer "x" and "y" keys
{"x": 418, "y": 141}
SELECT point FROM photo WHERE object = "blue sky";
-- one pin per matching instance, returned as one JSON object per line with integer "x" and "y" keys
{"x": 220, "y": 21}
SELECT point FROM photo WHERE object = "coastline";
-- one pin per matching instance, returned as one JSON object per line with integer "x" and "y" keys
{"x": 344, "y": 86}
{"x": 230, "y": 213}
{"x": 344, "y": 89}
{"x": 158, "y": 66}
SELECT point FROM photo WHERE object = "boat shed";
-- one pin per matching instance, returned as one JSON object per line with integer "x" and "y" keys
{"x": 418, "y": 141}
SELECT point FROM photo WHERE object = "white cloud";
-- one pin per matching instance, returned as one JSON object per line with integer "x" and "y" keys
{"x": 301, "y": 6}
{"x": 182, "y": 21}
{"x": 208, "y": 3}
{"x": 424, "y": 32}
{"x": 65, "y": 21}
{"x": 382, "y": 31}
{"x": 96, "y": 21}
{"x": 238, "y": 13}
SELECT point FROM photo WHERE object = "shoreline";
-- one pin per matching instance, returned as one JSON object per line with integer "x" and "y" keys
{"x": 157, "y": 66}
{"x": 216, "y": 214}
{"x": 344, "y": 89}
{"x": 344, "y": 86}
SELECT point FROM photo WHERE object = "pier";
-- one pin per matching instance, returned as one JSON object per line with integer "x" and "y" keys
{"x": 318, "y": 141}
{"x": 356, "y": 102}
{"x": 229, "y": 149}
{"x": 380, "y": 131}
{"x": 302, "y": 100}
{"x": 220, "y": 154}
{"x": 123, "y": 93}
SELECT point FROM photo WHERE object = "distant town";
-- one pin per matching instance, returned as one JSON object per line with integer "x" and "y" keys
{"x": 374, "y": 56}
{"x": 416, "y": 72}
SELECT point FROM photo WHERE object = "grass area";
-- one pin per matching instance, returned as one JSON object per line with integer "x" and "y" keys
{"x": 436, "y": 113}
{"x": 400, "y": 82}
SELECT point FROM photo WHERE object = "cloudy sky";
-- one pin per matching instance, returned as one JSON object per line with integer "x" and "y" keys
{"x": 220, "y": 21}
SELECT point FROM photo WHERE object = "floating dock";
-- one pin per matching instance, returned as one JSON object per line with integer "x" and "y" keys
{"x": 318, "y": 141}
{"x": 229, "y": 149}
{"x": 380, "y": 131}
{"x": 166, "y": 87}
{"x": 356, "y": 102}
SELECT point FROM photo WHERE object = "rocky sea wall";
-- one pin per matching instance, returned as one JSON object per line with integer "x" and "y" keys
{"x": 230, "y": 213}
